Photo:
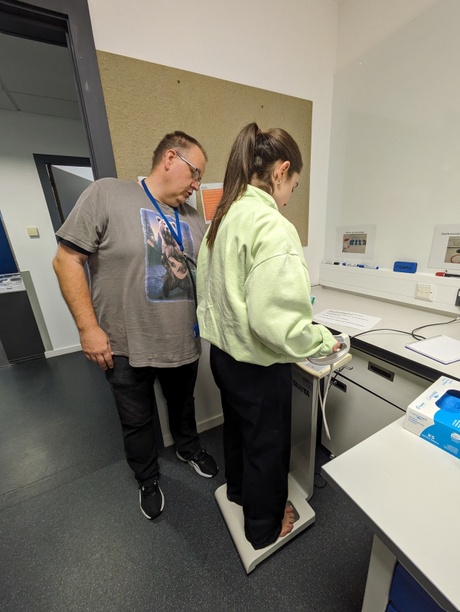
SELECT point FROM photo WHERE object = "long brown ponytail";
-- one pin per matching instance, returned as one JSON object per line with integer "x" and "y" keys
{"x": 251, "y": 159}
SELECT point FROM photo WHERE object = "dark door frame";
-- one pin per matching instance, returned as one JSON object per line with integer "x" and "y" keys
{"x": 68, "y": 23}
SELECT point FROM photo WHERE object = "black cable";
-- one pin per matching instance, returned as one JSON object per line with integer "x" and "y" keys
{"x": 319, "y": 481}
{"x": 433, "y": 324}
{"x": 188, "y": 258}
{"x": 398, "y": 331}
{"x": 411, "y": 333}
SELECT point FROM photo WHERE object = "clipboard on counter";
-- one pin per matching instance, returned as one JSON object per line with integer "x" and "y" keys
{"x": 444, "y": 349}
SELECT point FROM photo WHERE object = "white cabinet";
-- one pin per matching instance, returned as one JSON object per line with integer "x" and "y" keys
{"x": 367, "y": 395}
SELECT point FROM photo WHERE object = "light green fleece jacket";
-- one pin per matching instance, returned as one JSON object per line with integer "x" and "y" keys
{"x": 254, "y": 289}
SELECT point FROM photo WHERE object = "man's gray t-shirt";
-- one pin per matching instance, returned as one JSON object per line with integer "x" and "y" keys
{"x": 140, "y": 285}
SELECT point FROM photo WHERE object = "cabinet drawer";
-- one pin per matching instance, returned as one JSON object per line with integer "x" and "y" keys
{"x": 353, "y": 414}
{"x": 384, "y": 380}
{"x": 367, "y": 395}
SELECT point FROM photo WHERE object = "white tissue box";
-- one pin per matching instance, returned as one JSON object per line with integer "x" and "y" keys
{"x": 435, "y": 415}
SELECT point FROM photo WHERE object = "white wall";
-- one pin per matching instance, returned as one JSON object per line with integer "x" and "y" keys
{"x": 23, "y": 204}
{"x": 395, "y": 148}
{"x": 286, "y": 47}
{"x": 363, "y": 25}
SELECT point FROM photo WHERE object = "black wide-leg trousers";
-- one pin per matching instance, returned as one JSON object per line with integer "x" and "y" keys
{"x": 256, "y": 403}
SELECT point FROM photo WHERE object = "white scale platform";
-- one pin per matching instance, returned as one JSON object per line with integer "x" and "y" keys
{"x": 306, "y": 377}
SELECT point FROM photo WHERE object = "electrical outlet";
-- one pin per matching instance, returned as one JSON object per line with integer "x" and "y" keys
{"x": 425, "y": 291}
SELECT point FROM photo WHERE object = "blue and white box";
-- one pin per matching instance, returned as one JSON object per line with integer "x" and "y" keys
{"x": 435, "y": 415}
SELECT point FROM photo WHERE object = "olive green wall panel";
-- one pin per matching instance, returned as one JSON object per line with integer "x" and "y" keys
{"x": 145, "y": 101}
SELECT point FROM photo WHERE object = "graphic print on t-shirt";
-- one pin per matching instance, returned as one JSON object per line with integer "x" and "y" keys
{"x": 166, "y": 274}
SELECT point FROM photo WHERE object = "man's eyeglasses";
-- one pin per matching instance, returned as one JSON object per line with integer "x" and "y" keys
{"x": 196, "y": 174}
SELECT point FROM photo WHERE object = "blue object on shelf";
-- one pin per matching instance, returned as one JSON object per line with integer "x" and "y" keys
{"x": 405, "y": 266}
{"x": 406, "y": 595}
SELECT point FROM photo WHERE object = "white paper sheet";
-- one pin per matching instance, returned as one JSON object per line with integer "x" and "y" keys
{"x": 344, "y": 318}
{"x": 440, "y": 348}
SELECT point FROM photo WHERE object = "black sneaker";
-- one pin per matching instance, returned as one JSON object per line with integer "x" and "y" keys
{"x": 202, "y": 463}
{"x": 151, "y": 500}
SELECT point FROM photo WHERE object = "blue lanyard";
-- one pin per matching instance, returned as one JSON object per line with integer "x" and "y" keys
{"x": 176, "y": 235}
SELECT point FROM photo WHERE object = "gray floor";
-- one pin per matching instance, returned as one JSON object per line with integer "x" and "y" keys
{"x": 73, "y": 538}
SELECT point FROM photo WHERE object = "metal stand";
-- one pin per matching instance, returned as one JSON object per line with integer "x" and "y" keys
{"x": 306, "y": 381}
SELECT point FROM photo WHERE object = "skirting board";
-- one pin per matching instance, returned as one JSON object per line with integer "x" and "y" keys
{"x": 62, "y": 351}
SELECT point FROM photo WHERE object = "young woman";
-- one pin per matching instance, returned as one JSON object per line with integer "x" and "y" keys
{"x": 254, "y": 308}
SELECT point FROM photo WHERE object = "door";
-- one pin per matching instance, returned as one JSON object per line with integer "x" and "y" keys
{"x": 63, "y": 180}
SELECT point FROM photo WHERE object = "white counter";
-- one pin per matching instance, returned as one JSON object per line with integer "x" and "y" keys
{"x": 409, "y": 494}
{"x": 407, "y": 489}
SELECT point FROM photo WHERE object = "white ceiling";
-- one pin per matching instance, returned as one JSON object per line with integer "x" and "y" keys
{"x": 37, "y": 77}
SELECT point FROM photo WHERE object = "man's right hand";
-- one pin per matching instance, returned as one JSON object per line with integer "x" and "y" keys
{"x": 69, "y": 265}
{"x": 96, "y": 347}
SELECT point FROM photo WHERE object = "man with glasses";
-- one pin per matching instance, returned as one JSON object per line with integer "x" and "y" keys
{"x": 137, "y": 320}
